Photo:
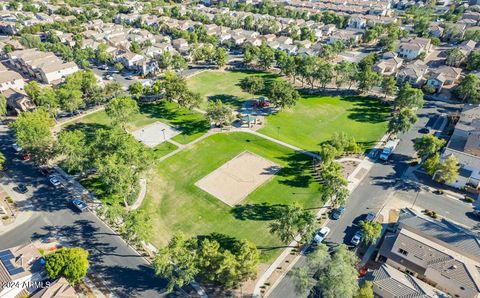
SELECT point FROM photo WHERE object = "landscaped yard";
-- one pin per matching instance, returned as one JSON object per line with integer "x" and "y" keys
{"x": 314, "y": 119}
{"x": 180, "y": 206}
{"x": 191, "y": 124}
{"x": 224, "y": 85}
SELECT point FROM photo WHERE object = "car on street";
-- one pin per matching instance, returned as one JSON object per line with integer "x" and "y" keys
{"x": 26, "y": 157}
{"x": 79, "y": 204}
{"x": 103, "y": 67}
{"x": 129, "y": 78}
{"x": 338, "y": 212}
{"x": 109, "y": 77}
{"x": 476, "y": 213}
{"x": 320, "y": 235}
{"x": 370, "y": 216}
{"x": 46, "y": 171}
{"x": 16, "y": 147}
{"x": 21, "y": 188}
{"x": 356, "y": 238}
{"x": 424, "y": 130}
{"x": 55, "y": 181}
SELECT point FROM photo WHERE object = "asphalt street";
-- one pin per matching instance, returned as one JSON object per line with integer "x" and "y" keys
{"x": 122, "y": 269}
{"x": 383, "y": 184}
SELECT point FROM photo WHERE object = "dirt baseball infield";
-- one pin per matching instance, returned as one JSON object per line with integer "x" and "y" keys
{"x": 237, "y": 178}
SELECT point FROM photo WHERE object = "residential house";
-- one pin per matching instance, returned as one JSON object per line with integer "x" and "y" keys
{"x": 284, "y": 40}
{"x": 43, "y": 66}
{"x": 440, "y": 253}
{"x": 60, "y": 288}
{"x": 18, "y": 101}
{"x": 10, "y": 79}
{"x": 412, "y": 73}
{"x": 20, "y": 264}
{"x": 464, "y": 144}
{"x": 444, "y": 77}
{"x": 436, "y": 30}
{"x": 357, "y": 22}
{"x": 181, "y": 45}
{"x": 388, "y": 65}
{"x": 345, "y": 36}
{"x": 411, "y": 48}
{"x": 389, "y": 282}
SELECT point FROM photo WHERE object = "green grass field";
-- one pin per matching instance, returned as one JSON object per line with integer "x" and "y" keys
{"x": 314, "y": 119}
{"x": 224, "y": 85}
{"x": 191, "y": 124}
{"x": 181, "y": 206}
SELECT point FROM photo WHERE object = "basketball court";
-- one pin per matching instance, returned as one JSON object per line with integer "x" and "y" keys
{"x": 154, "y": 134}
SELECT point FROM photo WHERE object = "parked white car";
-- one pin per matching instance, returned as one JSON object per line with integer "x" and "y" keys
{"x": 55, "y": 181}
{"x": 320, "y": 235}
{"x": 17, "y": 148}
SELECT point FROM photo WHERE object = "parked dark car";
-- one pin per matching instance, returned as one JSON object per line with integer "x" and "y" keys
{"x": 338, "y": 212}
{"x": 21, "y": 188}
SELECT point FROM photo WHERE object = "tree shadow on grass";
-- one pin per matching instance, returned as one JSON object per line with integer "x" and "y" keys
{"x": 367, "y": 109}
{"x": 182, "y": 119}
{"x": 260, "y": 212}
{"x": 225, "y": 241}
{"x": 229, "y": 99}
{"x": 297, "y": 172}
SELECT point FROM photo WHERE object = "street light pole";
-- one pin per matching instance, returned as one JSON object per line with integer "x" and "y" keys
{"x": 163, "y": 131}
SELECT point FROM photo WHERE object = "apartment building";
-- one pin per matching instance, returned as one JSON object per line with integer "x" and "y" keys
{"x": 439, "y": 253}
{"x": 43, "y": 66}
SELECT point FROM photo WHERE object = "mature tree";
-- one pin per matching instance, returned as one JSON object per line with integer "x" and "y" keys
{"x": 409, "y": 97}
{"x": 70, "y": 100}
{"x": 33, "y": 90}
{"x": 327, "y": 153}
{"x": 48, "y": 100}
{"x": 302, "y": 280}
{"x": 371, "y": 231}
{"x": 73, "y": 147}
{"x": 293, "y": 221}
{"x": 266, "y": 56}
{"x": 366, "y": 290}
{"x": 112, "y": 89}
{"x": 402, "y": 121}
{"x": 33, "y": 133}
{"x": 283, "y": 95}
{"x": 219, "y": 113}
{"x": 367, "y": 79}
{"x": 469, "y": 88}
{"x": 447, "y": 171}
{"x": 431, "y": 163}
{"x": 136, "y": 89}
{"x": 121, "y": 110}
{"x": 178, "y": 62}
{"x": 138, "y": 226}
{"x": 176, "y": 90}
{"x": 473, "y": 62}
{"x": 454, "y": 57}
{"x": 177, "y": 262}
{"x": 3, "y": 106}
{"x": 346, "y": 73}
{"x": 101, "y": 54}
{"x": 190, "y": 100}
{"x": 324, "y": 73}
{"x": 334, "y": 184}
{"x": 389, "y": 86}
{"x": 253, "y": 84}
{"x": 427, "y": 145}
{"x": 119, "y": 66}
{"x": 71, "y": 263}
{"x": 117, "y": 176}
{"x": 339, "y": 277}
{"x": 220, "y": 57}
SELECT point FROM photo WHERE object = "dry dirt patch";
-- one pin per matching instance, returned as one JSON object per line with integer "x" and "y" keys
{"x": 237, "y": 178}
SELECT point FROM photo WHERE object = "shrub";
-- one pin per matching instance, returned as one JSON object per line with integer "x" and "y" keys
{"x": 9, "y": 200}
{"x": 469, "y": 199}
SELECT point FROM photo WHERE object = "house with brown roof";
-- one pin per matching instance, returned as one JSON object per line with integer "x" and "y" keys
{"x": 412, "y": 73}
{"x": 58, "y": 289}
{"x": 10, "y": 79}
{"x": 388, "y": 65}
{"x": 440, "y": 253}
{"x": 444, "y": 77}
{"x": 20, "y": 264}
{"x": 411, "y": 48}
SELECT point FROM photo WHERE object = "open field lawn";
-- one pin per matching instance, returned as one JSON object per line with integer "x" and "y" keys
{"x": 179, "y": 205}
{"x": 315, "y": 118}
{"x": 191, "y": 124}
{"x": 224, "y": 85}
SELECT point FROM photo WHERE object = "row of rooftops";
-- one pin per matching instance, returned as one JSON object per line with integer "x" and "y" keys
{"x": 430, "y": 249}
